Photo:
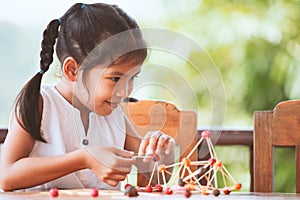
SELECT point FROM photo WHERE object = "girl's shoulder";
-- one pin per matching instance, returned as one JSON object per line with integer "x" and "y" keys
{"x": 47, "y": 90}
{"x": 52, "y": 97}
{"x": 51, "y": 93}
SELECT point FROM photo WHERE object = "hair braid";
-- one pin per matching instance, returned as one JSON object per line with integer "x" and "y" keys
{"x": 29, "y": 117}
{"x": 49, "y": 37}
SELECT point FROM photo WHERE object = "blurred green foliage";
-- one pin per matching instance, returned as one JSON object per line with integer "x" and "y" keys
{"x": 236, "y": 161}
{"x": 256, "y": 46}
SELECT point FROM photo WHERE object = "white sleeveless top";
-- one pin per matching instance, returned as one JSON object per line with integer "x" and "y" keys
{"x": 63, "y": 130}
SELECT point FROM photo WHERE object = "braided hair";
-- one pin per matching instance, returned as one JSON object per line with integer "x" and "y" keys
{"x": 82, "y": 28}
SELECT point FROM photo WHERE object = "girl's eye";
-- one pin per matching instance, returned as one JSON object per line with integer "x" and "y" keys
{"x": 115, "y": 79}
{"x": 134, "y": 77}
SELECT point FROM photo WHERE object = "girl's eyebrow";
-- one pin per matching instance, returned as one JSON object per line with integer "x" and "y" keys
{"x": 117, "y": 73}
{"x": 137, "y": 72}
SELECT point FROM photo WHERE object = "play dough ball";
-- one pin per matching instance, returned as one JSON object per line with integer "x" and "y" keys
{"x": 148, "y": 188}
{"x": 187, "y": 193}
{"x": 216, "y": 192}
{"x": 158, "y": 188}
{"x": 131, "y": 191}
{"x": 238, "y": 186}
{"x": 205, "y": 134}
{"x": 181, "y": 182}
{"x": 168, "y": 191}
{"x": 161, "y": 168}
{"x": 155, "y": 158}
{"x": 127, "y": 185}
{"x": 53, "y": 192}
{"x": 94, "y": 192}
{"x": 226, "y": 192}
{"x": 212, "y": 161}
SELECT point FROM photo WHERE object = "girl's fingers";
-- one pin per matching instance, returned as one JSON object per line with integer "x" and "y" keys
{"x": 123, "y": 153}
{"x": 163, "y": 141}
{"x": 119, "y": 168}
{"x": 170, "y": 146}
{"x": 143, "y": 146}
{"x": 153, "y": 143}
{"x": 124, "y": 158}
{"x": 148, "y": 143}
{"x": 114, "y": 182}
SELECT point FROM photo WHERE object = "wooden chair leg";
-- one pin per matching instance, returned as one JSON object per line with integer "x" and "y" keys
{"x": 251, "y": 170}
{"x": 298, "y": 169}
{"x": 263, "y": 152}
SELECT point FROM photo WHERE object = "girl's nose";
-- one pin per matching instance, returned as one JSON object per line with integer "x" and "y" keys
{"x": 121, "y": 90}
{"x": 121, "y": 93}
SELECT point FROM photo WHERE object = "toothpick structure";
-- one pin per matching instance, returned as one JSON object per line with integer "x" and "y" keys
{"x": 189, "y": 180}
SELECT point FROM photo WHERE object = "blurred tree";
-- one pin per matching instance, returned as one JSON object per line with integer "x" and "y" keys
{"x": 256, "y": 47}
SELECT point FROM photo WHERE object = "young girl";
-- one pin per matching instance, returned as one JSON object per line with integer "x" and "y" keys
{"x": 74, "y": 134}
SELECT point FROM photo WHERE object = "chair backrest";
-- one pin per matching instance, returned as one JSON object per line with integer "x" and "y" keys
{"x": 278, "y": 127}
{"x": 151, "y": 115}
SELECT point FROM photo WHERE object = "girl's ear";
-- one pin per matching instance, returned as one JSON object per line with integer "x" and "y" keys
{"x": 70, "y": 68}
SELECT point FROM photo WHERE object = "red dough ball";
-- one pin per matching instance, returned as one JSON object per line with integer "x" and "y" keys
{"x": 226, "y": 192}
{"x": 205, "y": 134}
{"x": 212, "y": 161}
{"x": 53, "y": 192}
{"x": 148, "y": 188}
{"x": 187, "y": 193}
{"x": 158, "y": 188}
{"x": 155, "y": 158}
{"x": 127, "y": 185}
{"x": 168, "y": 190}
{"x": 94, "y": 192}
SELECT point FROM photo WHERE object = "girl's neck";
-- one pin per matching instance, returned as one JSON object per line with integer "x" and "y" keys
{"x": 67, "y": 92}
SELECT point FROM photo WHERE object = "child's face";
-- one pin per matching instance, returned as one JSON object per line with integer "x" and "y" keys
{"x": 107, "y": 87}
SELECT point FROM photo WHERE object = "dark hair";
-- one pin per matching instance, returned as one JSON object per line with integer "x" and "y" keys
{"x": 82, "y": 28}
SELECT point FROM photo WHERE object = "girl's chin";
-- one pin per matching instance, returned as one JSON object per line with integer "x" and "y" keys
{"x": 104, "y": 112}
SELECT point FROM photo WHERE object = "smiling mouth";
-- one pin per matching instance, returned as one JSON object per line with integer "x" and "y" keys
{"x": 113, "y": 104}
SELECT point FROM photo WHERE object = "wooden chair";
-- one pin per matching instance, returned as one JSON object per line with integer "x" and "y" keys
{"x": 150, "y": 115}
{"x": 278, "y": 127}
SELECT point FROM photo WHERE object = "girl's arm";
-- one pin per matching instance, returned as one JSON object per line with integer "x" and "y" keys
{"x": 22, "y": 171}
{"x": 110, "y": 164}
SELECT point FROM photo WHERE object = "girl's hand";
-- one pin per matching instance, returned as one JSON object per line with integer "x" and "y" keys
{"x": 110, "y": 164}
{"x": 156, "y": 142}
